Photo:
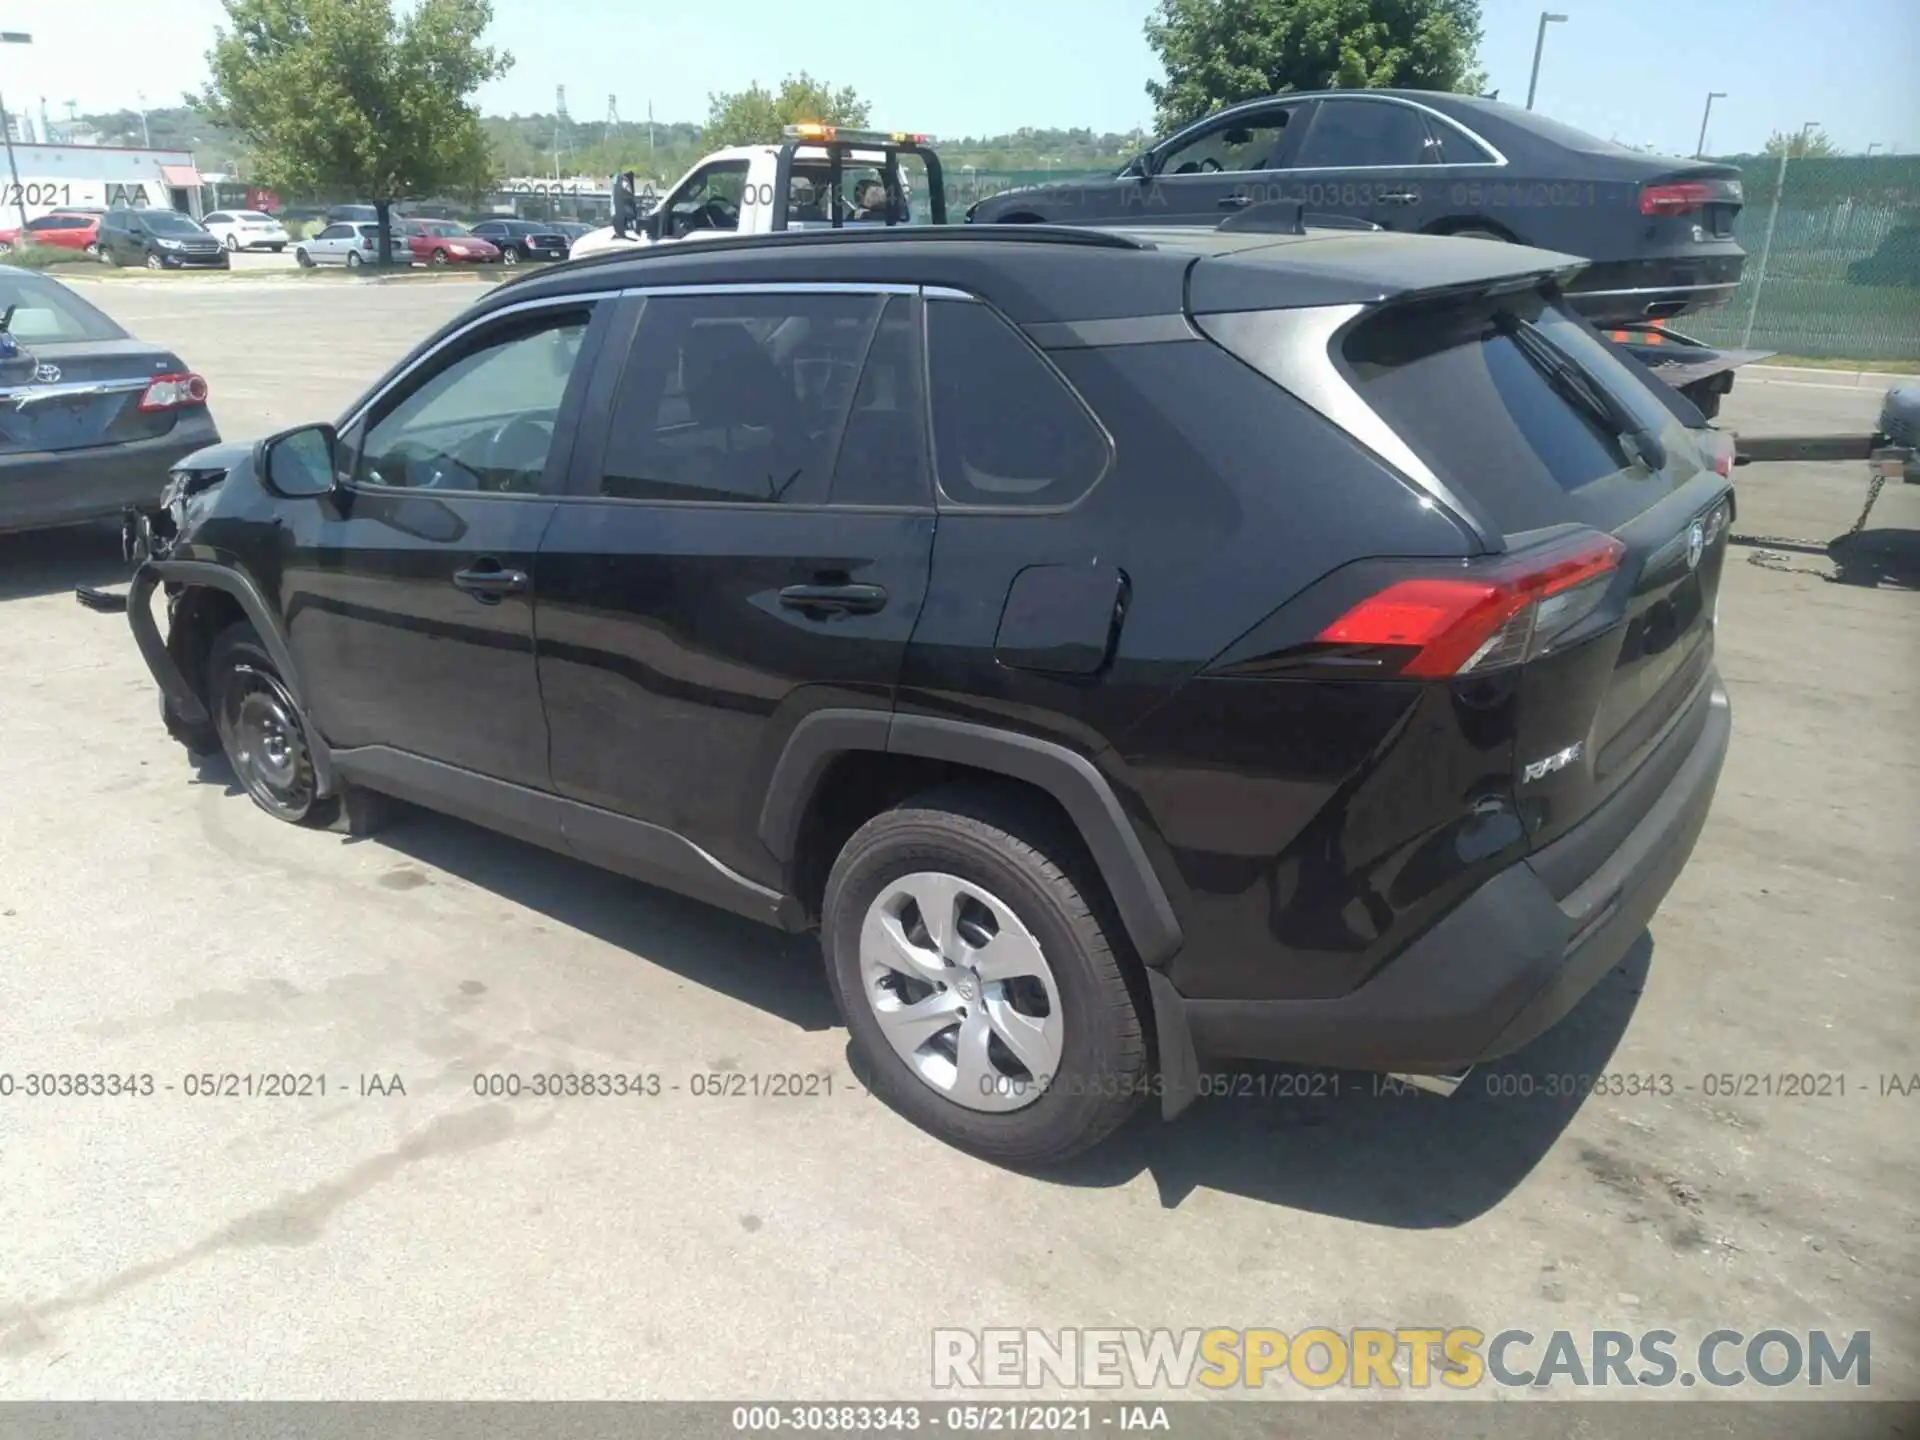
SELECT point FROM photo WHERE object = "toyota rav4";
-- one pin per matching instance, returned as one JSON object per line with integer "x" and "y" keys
{"x": 1121, "y": 647}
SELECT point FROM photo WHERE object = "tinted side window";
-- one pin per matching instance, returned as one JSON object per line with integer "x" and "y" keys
{"x": 217, "y": 218}
{"x": 883, "y": 449}
{"x": 741, "y": 398}
{"x": 1364, "y": 132}
{"x": 1252, "y": 142}
{"x": 1007, "y": 430}
{"x": 482, "y": 416}
{"x": 1451, "y": 146}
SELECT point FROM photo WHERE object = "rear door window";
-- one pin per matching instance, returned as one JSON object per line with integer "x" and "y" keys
{"x": 1352, "y": 133}
{"x": 778, "y": 398}
{"x": 48, "y": 312}
{"x": 1008, "y": 430}
{"x": 1468, "y": 401}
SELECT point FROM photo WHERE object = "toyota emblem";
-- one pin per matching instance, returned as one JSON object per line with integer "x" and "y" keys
{"x": 1696, "y": 544}
{"x": 46, "y": 374}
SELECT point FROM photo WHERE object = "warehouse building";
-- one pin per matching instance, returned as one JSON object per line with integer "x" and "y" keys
{"x": 94, "y": 177}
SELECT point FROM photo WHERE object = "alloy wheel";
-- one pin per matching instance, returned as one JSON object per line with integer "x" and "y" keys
{"x": 962, "y": 991}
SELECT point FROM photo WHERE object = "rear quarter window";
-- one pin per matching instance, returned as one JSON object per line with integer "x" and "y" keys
{"x": 1008, "y": 430}
{"x": 47, "y": 312}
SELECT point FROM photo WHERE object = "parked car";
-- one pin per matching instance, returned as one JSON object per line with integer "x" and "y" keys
{"x": 445, "y": 242}
{"x": 91, "y": 418}
{"x": 159, "y": 240}
{"x": 247, "y": 230}
{"x": 355, "y": 214}
{"x": 1895, "y": 262}
{"x": 351, "y": 245}
{"x": 1658, "y": 231}
{"x": 524, "y": 240}
{"x": 66, "y": 229}
{"x": 845, "y": 600}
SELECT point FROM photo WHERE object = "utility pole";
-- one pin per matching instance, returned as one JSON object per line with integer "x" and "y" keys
{"x": 650, "y": 166}
{"x": 1712, "y": 95}
{"x": 146, "y": 138}
{"x": 1539, "y": 43}
{"x": 559, "y": 120}
{"x": 14, "y": 37}
{"x": 613, "y": 118}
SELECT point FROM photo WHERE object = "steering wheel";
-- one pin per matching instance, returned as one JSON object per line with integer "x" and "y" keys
{"x": 721, "y": 213}
{"x": 1210, "y": 166}
{"x": 517, "y": 449}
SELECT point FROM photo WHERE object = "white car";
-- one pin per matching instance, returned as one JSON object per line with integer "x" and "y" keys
{"x": 760, "y": 189}
{"x": 248, "y": 230}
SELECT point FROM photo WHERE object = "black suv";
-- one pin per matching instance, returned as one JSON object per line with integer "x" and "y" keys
{"x": 1122, "y": 649}
{"x": 159, "y": 240}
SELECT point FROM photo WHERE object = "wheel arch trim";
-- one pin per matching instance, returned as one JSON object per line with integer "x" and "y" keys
{"x": 1068, "y": 776}
{"x": 260, "y": 615}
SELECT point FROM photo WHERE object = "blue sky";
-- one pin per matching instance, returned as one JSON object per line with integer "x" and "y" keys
{"x": 1637, "y": 70}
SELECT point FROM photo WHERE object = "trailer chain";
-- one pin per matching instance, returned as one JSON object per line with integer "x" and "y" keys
{"x": 1767, "y": 548}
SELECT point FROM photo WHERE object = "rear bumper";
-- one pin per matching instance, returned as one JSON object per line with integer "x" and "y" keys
{"x": 44, "y": 489}
{"x": 1620, "y": 290}
{"x": 1499, "y": 969}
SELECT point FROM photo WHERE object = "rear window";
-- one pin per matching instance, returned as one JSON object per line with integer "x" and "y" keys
{"x": 1463, "y": 395}
{"x": 49, "y": 313}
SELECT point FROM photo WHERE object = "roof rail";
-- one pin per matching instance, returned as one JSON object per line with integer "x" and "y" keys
{"x": 851, "y": 235}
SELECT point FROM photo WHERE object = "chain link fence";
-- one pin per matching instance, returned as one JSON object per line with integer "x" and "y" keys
{"x": 1833, "y": 260}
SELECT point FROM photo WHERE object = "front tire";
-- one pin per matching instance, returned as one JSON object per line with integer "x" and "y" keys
{"x": 154, "y": 262}
{"x": 233, "y": 243}
{"x": 261, "y": 729}
{"x": 439, "y": 258}
{"x": 965, "y": 945}
{"x": 509, "y": 257}
{"x": 302, "y": 259}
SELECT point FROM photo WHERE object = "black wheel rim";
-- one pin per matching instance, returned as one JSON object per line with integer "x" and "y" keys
{"x": 265, "y": 742}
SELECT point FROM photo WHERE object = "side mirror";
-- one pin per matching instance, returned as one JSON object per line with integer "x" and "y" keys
{"x": 1145, "y": 165}
{"x": 298, "y": 464}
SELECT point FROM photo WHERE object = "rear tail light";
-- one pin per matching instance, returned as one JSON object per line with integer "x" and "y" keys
{"x": 1675, "y": 198}
{"x": 174, "y": 392}
{"x": 1480, "y": 620}
{"x": 1721, "y": 445}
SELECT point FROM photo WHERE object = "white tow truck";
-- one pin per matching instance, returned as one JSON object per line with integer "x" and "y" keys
{"x": 818, "y": 177}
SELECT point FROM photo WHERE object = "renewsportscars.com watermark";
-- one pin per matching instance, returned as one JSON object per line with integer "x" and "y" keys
{"x": 1458, "y": 1358}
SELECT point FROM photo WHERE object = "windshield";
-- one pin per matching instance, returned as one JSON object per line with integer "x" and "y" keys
{"x": 170, "y": 222}
{"x": 47, "y": 312}
{"x": 439, "y": 227}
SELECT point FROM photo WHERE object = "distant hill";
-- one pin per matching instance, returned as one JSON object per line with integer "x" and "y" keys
{"x": 529, "y": 145}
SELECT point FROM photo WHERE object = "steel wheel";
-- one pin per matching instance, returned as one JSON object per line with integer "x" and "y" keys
{"x": 962, "y": 991}
{"x": 265, "y": 742}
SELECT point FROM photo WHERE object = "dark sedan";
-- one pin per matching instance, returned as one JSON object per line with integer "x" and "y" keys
{"x": 524, "y": 240}
{"x": 91, "y": 419}
{"x": 1658, "y": 231}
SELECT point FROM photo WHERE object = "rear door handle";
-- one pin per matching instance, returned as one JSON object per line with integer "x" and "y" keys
{"x": 1398, "y": 197}
{"x": 488, "y": 582}
{"x": 834, "y": 599}
{"x": 1235, "y": 202}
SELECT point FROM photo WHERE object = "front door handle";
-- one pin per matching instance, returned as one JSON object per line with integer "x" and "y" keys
{"x": 834, "y": 599}
{"x": 1399, "y": 197}
{"x": 488, "y": 581}
{"x": 1235, "y": 202}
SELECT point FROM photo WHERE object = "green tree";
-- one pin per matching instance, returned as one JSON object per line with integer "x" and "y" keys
{"x": 756, "y": 115}
{"x": 336, "y": 97}
{"x": 1813, "y": 144}
{"x": 1217, "y": 52}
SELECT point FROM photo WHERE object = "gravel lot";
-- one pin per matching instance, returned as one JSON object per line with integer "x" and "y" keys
{"x": 436, "y": 1245}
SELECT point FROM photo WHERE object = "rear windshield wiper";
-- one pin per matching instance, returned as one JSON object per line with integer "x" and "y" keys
{"x": 1571, "y": 380}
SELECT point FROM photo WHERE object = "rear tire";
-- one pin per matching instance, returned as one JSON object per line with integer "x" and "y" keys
{"x": 353, "y": 260}
{"x": 961, "y": 903}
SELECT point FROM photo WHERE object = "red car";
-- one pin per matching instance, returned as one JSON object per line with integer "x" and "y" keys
{"x": 442, "y": 242}
{"x": 69, "y": 231}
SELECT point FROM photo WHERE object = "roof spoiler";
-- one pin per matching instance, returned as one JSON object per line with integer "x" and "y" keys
{"x": 1288, "y": 217}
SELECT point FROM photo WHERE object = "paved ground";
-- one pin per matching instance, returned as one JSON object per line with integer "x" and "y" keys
{"x": 439, "y": 1245}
